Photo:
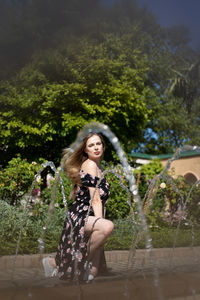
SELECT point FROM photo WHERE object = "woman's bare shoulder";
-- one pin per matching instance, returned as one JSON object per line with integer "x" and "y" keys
{"x": 89, "y": 167}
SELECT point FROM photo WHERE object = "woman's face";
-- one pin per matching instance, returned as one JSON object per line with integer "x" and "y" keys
{"x": 94, "y": 147}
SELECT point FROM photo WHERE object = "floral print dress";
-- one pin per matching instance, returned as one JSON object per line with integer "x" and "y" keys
{"x": 71, "y": 257}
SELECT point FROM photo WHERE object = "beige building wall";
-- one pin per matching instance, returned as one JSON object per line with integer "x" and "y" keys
{"x": 189, "y": 167}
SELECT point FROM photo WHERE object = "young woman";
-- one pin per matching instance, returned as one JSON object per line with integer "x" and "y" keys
{"x": 85, "y": 231}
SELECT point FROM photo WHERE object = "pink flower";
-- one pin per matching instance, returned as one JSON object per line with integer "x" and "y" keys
{"x": 74, "y": 218}
{"x": 101, "y": 191}
{"x": 81, "y": 231}
{"x": 80, "y": 256}
{"x": 36, "y": 192}
{"x": 163, "y": 185}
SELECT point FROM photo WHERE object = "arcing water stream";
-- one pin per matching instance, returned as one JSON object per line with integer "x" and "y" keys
{"x": 132, "y": 192}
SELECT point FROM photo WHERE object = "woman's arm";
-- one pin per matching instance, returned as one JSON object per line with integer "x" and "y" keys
{"x": 96, "y": 202}
{"x": 91, "y": 168}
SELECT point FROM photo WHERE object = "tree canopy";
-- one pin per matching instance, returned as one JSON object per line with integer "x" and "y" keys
{"x": 67, "y": 63}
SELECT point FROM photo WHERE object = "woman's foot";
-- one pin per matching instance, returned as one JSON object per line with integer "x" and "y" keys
{"x": 49, "y": 269}
{"x": 88, "y": 277}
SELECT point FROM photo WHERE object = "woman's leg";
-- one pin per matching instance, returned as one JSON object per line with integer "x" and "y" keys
{"x": 95, "y": 261}
{"x": 52, "y": 262}
{"x": 98, "y": 235}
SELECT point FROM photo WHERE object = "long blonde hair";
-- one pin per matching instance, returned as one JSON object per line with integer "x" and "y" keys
{"x": 72, "y": 163}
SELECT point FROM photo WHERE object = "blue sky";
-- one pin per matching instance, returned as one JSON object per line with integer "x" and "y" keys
{"x": 170, "y": 12}
{"x": 174, "y": 12}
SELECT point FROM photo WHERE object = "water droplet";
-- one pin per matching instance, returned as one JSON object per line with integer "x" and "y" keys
{"x": 156, "y": 282}
{"x": 133, "y": 188}
{"x": 115, "y": 140}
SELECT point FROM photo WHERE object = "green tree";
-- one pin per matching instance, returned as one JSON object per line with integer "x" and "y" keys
{"x": 171, "y": 125}
{"x": 66, "y": 66}
{"x": 42, "y": 115}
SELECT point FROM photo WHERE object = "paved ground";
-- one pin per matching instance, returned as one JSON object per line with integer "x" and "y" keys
{"x": 160, "y": 274}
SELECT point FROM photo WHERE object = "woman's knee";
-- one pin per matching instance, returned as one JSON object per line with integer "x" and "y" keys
{"x": 108, "y": 227}
{"x": 101, "y": 225}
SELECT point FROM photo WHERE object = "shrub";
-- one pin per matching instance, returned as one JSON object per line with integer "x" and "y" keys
{"x": 164, "y": 199}
{"x": 117, "y": 206}
{"x": 146, "y": 173}
{"x": 125, "y": 231}
{"x": 172, "y": 202}
{"x": 16, "y": 179}
{"x": 47, "y": 192}
{"x": 11, "y": 220}
{"x": 162, "y": 237}
{"x": 193, "y": 205}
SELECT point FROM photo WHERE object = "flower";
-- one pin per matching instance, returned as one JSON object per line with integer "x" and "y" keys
{"x": 34, "y": 163}
{"x": 38, "y": 178}
{"x": 23, "y": 202}
{"x": 49, "y": 178}
{"x": 81, "y": 231}
{"x": 163, "y": 185}
{"x": 36, "y": 192}
{"x": 101, "y": 191}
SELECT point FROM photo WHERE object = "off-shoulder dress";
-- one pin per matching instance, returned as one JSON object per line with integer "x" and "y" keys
{"x": 73, "y": 242}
